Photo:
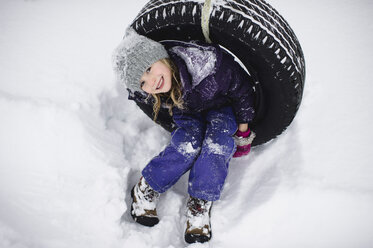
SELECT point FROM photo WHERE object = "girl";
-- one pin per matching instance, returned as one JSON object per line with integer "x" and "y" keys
{"x": 209, "y": 97}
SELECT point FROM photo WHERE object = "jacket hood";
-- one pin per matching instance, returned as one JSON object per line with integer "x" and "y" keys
{"x": 195, "y": 61}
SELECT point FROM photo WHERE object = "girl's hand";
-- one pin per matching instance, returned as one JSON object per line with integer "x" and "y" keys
{"x": 243, "y": 141}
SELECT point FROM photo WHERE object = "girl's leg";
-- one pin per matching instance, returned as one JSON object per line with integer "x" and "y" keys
{"x": 164, "y": 170}
{"x": 208, "y": 174}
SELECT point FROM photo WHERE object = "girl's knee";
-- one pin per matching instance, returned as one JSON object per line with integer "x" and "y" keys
{"x": 222, "y": 121}
{"x": 187, "y": 143}
{"x": 220, "y": 146}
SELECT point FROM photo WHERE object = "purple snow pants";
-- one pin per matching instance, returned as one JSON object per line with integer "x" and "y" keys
{"x": 203, "y": 143}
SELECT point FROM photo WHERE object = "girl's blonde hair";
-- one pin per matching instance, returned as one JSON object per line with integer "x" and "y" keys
{"x": 175, "y": 93}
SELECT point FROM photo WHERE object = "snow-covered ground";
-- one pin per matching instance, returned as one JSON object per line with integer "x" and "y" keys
{"x": 71, "y": 145}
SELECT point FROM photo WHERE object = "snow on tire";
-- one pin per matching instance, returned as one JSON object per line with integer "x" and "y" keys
{"x": 256, "y": 34}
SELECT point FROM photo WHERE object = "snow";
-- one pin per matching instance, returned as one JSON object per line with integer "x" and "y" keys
{"x": 215, "y": 148}
{"x": 187, "y": 149}
{"x": 72, "y": 146}
{"x": 197, "y": 59}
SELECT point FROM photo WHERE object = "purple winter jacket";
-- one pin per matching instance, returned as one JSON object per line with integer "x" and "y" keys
{"x": 211, "y": 79}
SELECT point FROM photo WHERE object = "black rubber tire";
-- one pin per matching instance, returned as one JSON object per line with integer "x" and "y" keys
{"x": 254, "y": 32}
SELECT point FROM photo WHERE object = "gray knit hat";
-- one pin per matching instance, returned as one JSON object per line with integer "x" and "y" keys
{"x": 134, "y": 55}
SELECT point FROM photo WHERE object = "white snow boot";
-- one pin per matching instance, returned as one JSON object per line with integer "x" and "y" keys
{"x": 144, "y": 202}
{"x": 198, "y": 221}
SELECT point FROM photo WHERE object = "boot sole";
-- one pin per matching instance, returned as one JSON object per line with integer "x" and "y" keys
{"x": 191, "y": 238}
{"x": 143, "y": 220}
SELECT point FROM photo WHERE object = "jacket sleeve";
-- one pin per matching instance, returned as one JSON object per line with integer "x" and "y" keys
{"x": 242, "y": 96}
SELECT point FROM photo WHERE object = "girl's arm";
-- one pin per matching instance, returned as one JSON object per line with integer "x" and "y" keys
{"x": 242, "y": 96}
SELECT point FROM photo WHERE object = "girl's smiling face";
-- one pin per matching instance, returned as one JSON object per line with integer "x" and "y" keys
{"x": 156, "y": 79}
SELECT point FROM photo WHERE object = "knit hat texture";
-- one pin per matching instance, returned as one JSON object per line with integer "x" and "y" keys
{"x": 134, "y": 55}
